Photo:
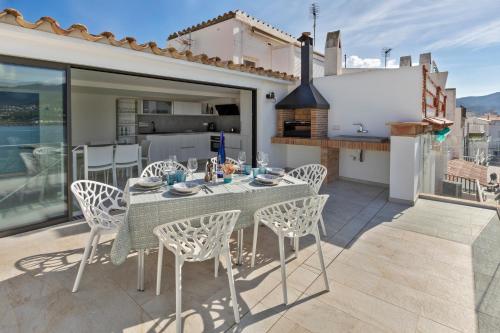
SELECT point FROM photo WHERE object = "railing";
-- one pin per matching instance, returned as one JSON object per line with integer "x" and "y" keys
{"x": 469, "y": 185}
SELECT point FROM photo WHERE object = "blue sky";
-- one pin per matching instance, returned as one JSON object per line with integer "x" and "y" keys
{"x": 463, "y": 35}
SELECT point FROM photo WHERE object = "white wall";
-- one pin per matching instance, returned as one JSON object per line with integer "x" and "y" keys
{"x": 373, "y": 98}
{"x": 404, "y": 168}
{"x": 374, "y": 168}
{"x": 300, "y": 155}
{"x": 318, "y": 64}
{"x": 93, "y": 118}
{"x": 215, "y": 40}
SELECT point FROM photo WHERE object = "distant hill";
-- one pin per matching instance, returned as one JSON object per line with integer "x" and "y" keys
{"x": 481, "y": 104}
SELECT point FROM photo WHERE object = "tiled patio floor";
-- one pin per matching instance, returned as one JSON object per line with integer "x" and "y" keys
{"x": 392, "y": 268}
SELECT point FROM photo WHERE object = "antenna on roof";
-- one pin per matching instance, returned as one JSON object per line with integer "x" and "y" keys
{"x": 314, "y": 10}
{"x": 185, "y": 41}
{"x": 386, "y": 53}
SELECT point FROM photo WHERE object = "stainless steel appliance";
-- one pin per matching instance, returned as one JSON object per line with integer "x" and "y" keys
{"x": 297, "y": 128}
{"x": 214, "y": 143}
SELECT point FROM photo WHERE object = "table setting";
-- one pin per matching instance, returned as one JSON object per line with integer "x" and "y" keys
{"x": 153, "y": 201}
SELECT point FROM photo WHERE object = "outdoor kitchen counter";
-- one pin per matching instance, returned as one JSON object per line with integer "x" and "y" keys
{"x": 334, "y": 143}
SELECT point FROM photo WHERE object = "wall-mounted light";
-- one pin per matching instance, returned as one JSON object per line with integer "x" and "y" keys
{"x": 271, "y": 96}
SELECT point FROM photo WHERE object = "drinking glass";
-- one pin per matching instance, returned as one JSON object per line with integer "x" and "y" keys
{"x": 192, "y": 166}
{"x": 265, "y": 160}
{"x": 259, "y": 158}
{"x": 173, "y": 158}
{"x": 242, "y": 158}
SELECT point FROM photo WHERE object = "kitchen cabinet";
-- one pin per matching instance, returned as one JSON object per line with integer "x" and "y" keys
{"x": 183, "y": 146}
{"x": 187, "y": 108}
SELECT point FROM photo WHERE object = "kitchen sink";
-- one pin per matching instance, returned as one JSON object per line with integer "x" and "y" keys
{"x": 362, "y": 138}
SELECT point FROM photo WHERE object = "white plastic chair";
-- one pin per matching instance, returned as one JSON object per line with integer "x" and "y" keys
{"x": 145, "y": 151}
{"x": 228, "y": 159}
{"x": 98, "y": 159}
{"x": 127, "y": 157}
{"x": 314, "y": 175}
{"x": 294, "y": 219}
{"x": 103, "y": 209}
{"x": 197, "y": 239}
{"x": 159, "y": 169}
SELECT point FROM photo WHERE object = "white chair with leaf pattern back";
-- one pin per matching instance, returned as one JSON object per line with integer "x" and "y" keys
{"x": 197, "y": 239}
{"x": 160, "y": 168}
{"x": 314, "y": 175}
{"x": 294, "y": 219}
{"x": 103, "y": 208}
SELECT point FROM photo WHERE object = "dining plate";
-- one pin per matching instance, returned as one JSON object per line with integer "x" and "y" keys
{"x": 175, "y": 192}
{"x": 276, "y": 171}
{"x": 187, "y": 187}
{"x": 150, "y": 182}
{"x": 268, "y": 179}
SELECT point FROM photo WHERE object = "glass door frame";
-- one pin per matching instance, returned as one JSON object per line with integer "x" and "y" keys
{"x": 67, "y": 112}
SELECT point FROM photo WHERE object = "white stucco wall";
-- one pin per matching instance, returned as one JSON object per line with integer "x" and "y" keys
{"x": 215, "y": 40}
{"x": 301, "y": 155}
{"x": 234, "y": 40}
{"x": 454, "y": 141}
{"x": 374, "y": 168}
{"x": 373, "y": 98}
{"x": 404, "y": 168}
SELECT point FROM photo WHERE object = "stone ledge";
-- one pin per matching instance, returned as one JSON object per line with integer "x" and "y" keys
{"x": 332, "y": 143}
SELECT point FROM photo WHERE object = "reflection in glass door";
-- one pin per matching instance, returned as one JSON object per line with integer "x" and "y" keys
{"x": 32, "y": 145}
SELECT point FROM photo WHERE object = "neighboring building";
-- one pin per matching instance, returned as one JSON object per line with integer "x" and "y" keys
{"x": 245, "y": 40}
{"x": 494, "y": 134}
{"x": 406, "y": 104}
{"x": 455, "y": 140}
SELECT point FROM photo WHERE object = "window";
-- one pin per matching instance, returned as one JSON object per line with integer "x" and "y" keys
{"x": 156, "y": 107}
{"x": 249, "y": 62}
{"x": 32, "y": 145}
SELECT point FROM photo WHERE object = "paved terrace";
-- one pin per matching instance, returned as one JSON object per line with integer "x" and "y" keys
{"x": 392, "y": 268}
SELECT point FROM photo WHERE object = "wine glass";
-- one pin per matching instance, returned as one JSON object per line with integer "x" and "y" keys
{"x": 259, "y": 158}
{"x": 192, "y": 166}
{"x": 265, "y": 160}
{"x": 242, "y": 158}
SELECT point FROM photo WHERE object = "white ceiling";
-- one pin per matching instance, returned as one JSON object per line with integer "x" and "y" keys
{"x": 94, "y": 82}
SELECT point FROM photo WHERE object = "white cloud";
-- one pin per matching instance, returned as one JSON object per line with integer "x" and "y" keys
{"x": 479, "y": 36}
{"x": 355, "y": 61}
{"x": 358, "y": 62}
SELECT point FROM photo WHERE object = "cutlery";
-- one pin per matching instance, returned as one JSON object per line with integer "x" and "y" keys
{"x": 288, "y": 181}
{"x": 207, "y": 189}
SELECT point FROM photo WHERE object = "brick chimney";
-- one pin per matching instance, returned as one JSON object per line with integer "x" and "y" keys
{"x": 333, "y": 54}
{"x": 425, "y": 59}
{"x": 405, "y": 61}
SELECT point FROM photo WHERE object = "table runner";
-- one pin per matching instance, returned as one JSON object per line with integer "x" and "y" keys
{"x": 148, "y": 210}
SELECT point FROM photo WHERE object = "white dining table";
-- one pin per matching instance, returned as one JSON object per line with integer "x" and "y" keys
{"x": 148, "y": 209}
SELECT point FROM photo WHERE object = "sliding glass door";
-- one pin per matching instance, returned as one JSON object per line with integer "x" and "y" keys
{"x": 33, "y": 147}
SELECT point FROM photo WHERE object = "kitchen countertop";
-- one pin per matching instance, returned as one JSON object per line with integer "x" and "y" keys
{"x": 188, "y": 133}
